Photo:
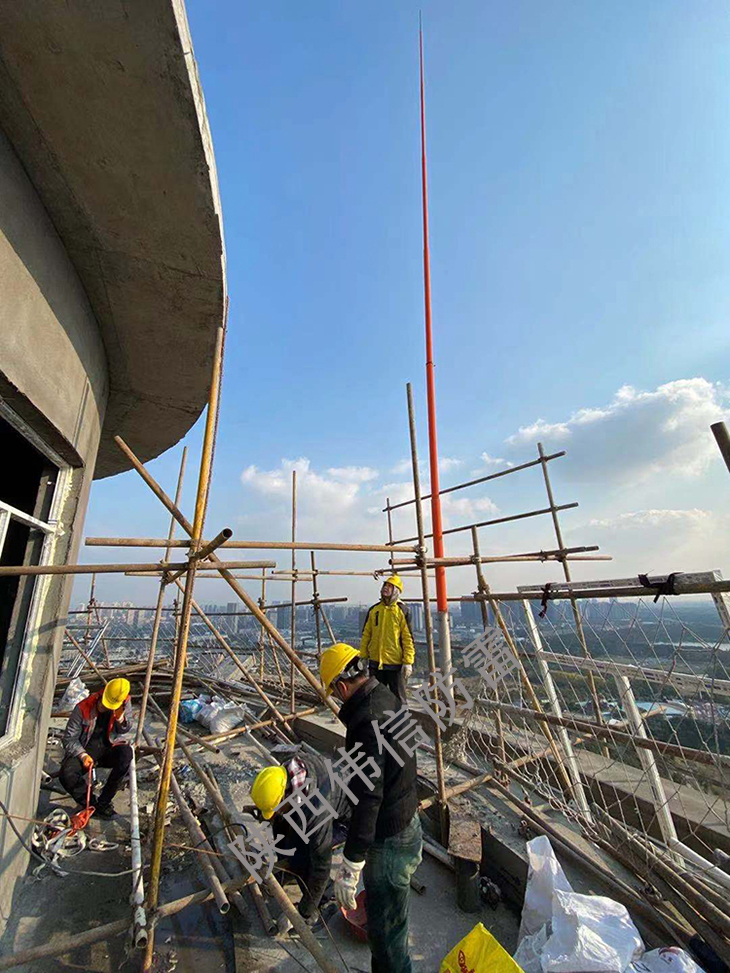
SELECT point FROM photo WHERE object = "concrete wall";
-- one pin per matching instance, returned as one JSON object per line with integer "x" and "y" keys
{"x": 53, "y": 375}
{"x": 103, "y": 105}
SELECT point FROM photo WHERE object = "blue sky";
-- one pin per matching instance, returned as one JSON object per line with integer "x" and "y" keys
{"x": 578, "y": 157}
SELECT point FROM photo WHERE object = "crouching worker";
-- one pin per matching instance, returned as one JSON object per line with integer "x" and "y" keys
{"x": 384, "y": 839}
{"x": 97, "y": 735}
{"x": 286, "y": 796}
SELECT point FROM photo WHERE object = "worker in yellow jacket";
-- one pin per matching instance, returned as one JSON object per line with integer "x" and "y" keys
{"x": 387, "y": 639}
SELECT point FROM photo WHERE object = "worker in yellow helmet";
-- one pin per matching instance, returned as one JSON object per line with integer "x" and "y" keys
{"x": 279, "y": 793}
{"x": 387, "y": 639}
{"x": 384, "y": 840}
{"x": 97, "y": 735}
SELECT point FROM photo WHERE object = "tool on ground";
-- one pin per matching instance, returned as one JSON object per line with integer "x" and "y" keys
{"x": 81, "y": 818}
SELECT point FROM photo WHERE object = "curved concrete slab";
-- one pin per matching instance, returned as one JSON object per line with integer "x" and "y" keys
{"x": 103, "y": 106}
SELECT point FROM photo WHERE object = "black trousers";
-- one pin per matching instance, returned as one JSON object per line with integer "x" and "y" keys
{"x": 392, "y": 677}
{"x": 75, "y": 778}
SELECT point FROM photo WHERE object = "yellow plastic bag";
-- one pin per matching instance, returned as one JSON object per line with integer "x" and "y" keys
{"x": 479, "y": 952}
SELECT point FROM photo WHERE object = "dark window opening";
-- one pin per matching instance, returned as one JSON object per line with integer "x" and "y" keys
{"x": 27, "y": 484}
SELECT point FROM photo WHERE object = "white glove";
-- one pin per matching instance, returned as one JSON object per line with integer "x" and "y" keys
{"x": 407, "y": 672}
{"x": 346, "y": 881}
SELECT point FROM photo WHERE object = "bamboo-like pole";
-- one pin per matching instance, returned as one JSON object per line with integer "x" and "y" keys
{"x": 648, "y": 762}
{"x": 710, "y": 922}
{"x": 86, "y": 658}
{"x": 206, "y": 551}
{"x": 483, "y": 587}
{"x": 262, "y": 640}
{"x": 270, "y": 884}
{"x": 160, "y": 605}
{"x": 561, "y": 842}
{"x": 390, "y": 527}
{"x": 213, "y": 545}
{"x": 243, "y": 545}
{"x": 36, "y": 570}
{"x": 226, "y": 574}
{"x": 427, "y": 620}
{"x": 194, "y": 739}
{"x": 602, "y": 732}
{"x": 139, "y": 917}
{"x": 238, "y": 730}
{"x": 59, "y": 947}
{"x": 221, "y": 640}
{"x": 436, "y": 521}
{"x": 326, "y": 621}
{"x": 628, "y": 591}
{"x": 317, "y": 609}
{"x": 89, "y": 609}
{"x": 276, "y": 660}
{"x": 292, "y": 701}
{"x": 496, "y": 520}
{"x": 200, "y": 842}
{"x": 722, "y": 438}
{"x": 95, "y": 608}
{"x": 566, "y": 572}
{"x": 549, "y": 686}
{"x": 479, "y": 778}
{"x": 527, "y": 683}
{"x": 553, "y": 555}
{"x": 182, "y": 644}
{"x": 482, "y": 479}
{"x": 201, "y": 845}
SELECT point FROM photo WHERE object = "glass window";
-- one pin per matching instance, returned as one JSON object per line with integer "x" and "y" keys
{"x": 27, "y": 487}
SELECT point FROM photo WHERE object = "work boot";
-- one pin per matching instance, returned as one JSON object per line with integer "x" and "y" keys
{"x": 105, "y": 811}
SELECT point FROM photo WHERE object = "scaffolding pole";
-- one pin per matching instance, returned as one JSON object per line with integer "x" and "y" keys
{"x": 206, "y": 460}
{"x": 443, "y": 812}
{"x": 159, "y": 606}
{"x": 293, "y": 639}
{"x": 438, "y": 537}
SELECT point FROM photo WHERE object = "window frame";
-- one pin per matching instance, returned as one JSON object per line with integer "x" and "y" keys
{"x": 52, "y": 530}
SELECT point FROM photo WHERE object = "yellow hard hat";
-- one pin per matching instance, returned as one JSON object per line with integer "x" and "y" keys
{"x": 115, "y": 693}
{"x": 395, "y": 580}
{"x": 334, "y": 661}
{"x": 267, "y": 791}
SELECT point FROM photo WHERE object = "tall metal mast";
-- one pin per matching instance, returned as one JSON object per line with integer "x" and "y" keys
{"x": 438, "y": 539}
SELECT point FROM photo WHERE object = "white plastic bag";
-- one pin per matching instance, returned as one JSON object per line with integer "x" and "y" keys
{"x": 228, "y": 716}
{"x": 590, "y": 934}
{"x": 528, "y": 954}
{"x": 208, "y": 709}
{"x": 669, "y": 959}
{"x": 545, "y": 876}
{"x": 75, "y": 692}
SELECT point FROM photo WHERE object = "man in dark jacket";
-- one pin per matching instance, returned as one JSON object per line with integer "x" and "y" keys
{"x": 97, "y": 734}
{"x": 284, "y": 795}
{"x": 384, "y": 837}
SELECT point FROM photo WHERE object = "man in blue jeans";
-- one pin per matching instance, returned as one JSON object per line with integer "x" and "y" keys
{"x": 384, "y": 837}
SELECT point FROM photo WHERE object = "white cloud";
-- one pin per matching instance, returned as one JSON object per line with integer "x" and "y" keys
{"x": 638, "y": 434}
{"x": 446, "y": 463}
{"x": 353, "y": 474}
{"x": 332, "y": 491}
{"x": 466, "y": 507}
{"x": 672, "y": 519}
{"x": 494, "y": 460}
{"x": 658, "y": 541}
